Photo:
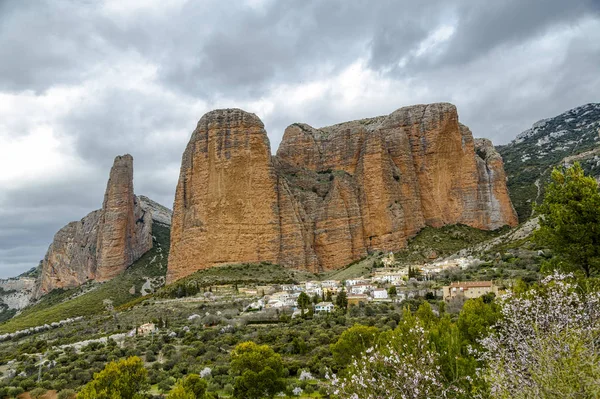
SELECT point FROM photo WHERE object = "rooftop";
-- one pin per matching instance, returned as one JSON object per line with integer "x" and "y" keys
{"x": 470, "y": 284}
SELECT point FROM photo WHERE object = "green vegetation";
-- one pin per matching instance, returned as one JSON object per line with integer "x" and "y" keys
{"x": 89, "y": 298}
{"x": 438, "y": 242}
{"x": 532, "y": 158}
{"x": 237, "y": 274}
{"x": 125, "y": 379}
{"x": 352, "y": 343}
{"x": 570, "y": 219}
{"x": 191, "y": 386}
{"x": 258, "y": 371}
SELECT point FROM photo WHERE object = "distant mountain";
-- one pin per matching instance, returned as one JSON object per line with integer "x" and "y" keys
{"x": 528, "y": 160}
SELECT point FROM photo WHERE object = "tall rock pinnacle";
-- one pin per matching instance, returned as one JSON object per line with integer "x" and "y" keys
{"x": 331, "y": 195}
{"x": 103, "y": 243}
{"x": 125, "y": 230}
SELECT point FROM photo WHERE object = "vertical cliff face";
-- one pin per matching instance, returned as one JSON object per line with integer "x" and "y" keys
{"x": 105, "y": 242}
{"x": 495, "y": 211}
{"x": 71, "y": 258}
{"x": 125, "y": 229}
{"x": 331, "y": 195}
{"x": 225, "y": 206}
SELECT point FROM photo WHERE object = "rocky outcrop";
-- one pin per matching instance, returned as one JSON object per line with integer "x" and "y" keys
{"x": 106, "y": 241}
{"x": 71, "y": 259}
{"x": 16, "y": 293}
{"x": 492, "y": 187}
{"x": 225, "y": 207}
{"x": 330, "y": 195}
{"x": 125, "y": 229}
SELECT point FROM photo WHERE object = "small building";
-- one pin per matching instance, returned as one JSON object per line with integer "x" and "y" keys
{"x": 389, "y": 260}
{"x": 469, "y": 289}
{"x": 146, "y": 329}
{"x": 352, "y": 282}
{"x": 330, "y": 284}
{"x": 291, "y": 287}
{"x": 324, "y": 307}
{"x": 380, "y": 293}
{"x": 361, "y": 288}
{"x": 355, "y": 299}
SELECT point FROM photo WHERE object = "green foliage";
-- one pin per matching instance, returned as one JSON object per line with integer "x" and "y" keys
{"x": 37, "y": 393}
{"x": 304, "y": 302}
{"x": 237, "y": 274}
{"x": 341, "y": 301}
{"x": 392, "y": 291}
{"x": 190, "y": 387}
{"x": 66, "y": 394}
{"x": 443, "y": 241}
{"x": 570, "y": 218}
{"x": 476, "y": 319}
{"x": 258, "y": 370}
{"x": 126, "y": 379}
{"x": 352, "y": 343}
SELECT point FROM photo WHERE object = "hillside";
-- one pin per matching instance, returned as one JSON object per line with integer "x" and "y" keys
{"x": 146, "y": 274}
{"x": 529, "y": 158}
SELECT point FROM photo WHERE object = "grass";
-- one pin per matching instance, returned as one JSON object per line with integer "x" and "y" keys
{"x": 443, "y": 241}
{"x": 240, "y": 274}
{"x": 356, "y": 269}
{"x": 88, "y": 299}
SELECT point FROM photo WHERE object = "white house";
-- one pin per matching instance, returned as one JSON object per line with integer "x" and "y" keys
{"x": 392, "y": 278}
{"x": 361, "y": 288}
{"x": 380, "y": 293}
{"x": 350, "y": 283}
{"x": 324, "y": 307}
{"x": 291, "y": 287}
{"x": 330, "y": 284}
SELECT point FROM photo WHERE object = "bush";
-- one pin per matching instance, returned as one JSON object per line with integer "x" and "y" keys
{"x": 37, "y": 393}
{"x": 66, "y": 394}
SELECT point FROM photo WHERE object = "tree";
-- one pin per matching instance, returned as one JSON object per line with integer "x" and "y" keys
{"x": 476, "y": 319}
{"x": 126, "y": 379}
{"x": 190, "y": 387}
{"x": 303, "y": 302}
{"x": 66, "y": 394}
{"x": 341, "y": 301}
{"x": 258, "y": 371}
{"x": 570, "y": 218}
{"x": 37, "y": 393}
{"x": 403, "y": 367}
{"x": 546, "y": 343}
{"x": 316, "y": 299}
{"x": 352, "y": 343}
{"x": 392, "y": 291}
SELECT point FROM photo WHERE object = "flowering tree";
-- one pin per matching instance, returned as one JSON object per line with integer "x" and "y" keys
{"x": 545, "y": 345}
{"x": 405, "y": 367}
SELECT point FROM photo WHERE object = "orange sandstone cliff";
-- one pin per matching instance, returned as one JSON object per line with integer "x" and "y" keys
{"x": 330, "y": 195}
{"x": 103, "y": 243}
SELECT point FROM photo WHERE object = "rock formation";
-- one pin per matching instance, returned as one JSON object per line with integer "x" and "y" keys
{"x": 330, "y": 195}
{"x": 125, "y": 229}
{"x": 226, "y": 196}
{"x": 106, "y": 241}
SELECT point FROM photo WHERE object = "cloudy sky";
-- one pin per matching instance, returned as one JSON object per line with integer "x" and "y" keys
{"x": 82, "y": 81}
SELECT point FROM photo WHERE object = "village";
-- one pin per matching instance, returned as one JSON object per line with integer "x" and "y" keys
{"x": 389, "y": 283}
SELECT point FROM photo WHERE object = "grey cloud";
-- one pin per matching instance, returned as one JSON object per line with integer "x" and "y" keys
{"x": 45, "y": 43}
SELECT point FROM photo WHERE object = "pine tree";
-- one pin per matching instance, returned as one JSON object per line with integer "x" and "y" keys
{"x": 570, "y": 218}
{"x": 342, "y": 301}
